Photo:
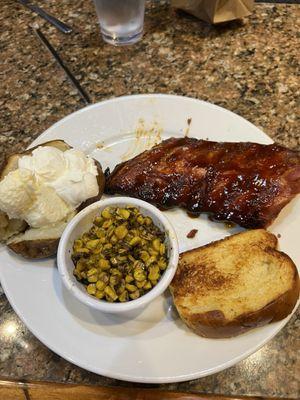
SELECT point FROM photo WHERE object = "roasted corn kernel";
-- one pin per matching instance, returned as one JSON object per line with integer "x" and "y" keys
{"x": 134, "y": 241}
{"x": 100, "y": 285}
{"x": 123, "y": 296}
{"x": 147, "y": 285}
{"x": 153, "y": 273}
{"x": 92, "y": 244}
{"x": 135, "y": 294}
{"x": 107, "y": 224}
{"x": 106, "y": 213}
{"x": 91, "y": 289}
{"x": 103, "y": 264}
{"x": 123, "y": 213}
{"x": 130, "y": 287}
{"x": 109, "y": 291}
{"x": 103, "y": 276}
{"x": 141, "y": 284}
{"x": 139, "y": 275}
{"x": 99, "y": 294}
{"x": 162, "y": 249}
{"x": 156, "y": 244}
{"x": 92, "y": 278}
{"x": 121, "y": 231}
{"x": 92, "y": 271}
{"x": 129, "y": 279}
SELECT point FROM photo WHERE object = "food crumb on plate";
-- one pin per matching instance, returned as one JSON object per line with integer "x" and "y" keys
{"x": 187, "y": 130}
{"x": 192, "y": 234}
{"x": 100, "y": 145}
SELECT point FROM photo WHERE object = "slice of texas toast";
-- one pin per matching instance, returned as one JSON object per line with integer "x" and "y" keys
{"x": 235, "y": 284}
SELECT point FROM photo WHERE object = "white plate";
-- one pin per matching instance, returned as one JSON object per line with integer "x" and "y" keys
{"x": 151, "y": 346}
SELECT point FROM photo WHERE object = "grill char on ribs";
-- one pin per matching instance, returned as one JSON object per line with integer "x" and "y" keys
{"x": 246, "y": 183}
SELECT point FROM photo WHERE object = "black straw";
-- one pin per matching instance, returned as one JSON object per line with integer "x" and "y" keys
{"x": 69, "y": 74}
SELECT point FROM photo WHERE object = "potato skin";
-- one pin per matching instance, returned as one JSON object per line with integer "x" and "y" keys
{"x": 10, "y": 162}
{"x": 37, "y": 249}
{"x": 101, "y": 184}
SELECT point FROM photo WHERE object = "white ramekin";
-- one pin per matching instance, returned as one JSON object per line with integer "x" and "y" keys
{"x": 82, "y": 223}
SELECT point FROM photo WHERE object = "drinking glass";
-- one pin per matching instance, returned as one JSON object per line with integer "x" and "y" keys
{"x": 121, "y": 21}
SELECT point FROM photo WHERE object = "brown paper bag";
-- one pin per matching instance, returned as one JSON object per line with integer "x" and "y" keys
{"x": 216, "y": 11}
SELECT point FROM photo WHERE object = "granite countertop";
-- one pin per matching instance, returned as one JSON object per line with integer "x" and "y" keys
{"x": 249, "y": 67}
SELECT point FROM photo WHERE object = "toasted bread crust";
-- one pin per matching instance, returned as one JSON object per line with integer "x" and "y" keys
{"x": 269, "y": 241}
{"x": 213, "y": 323}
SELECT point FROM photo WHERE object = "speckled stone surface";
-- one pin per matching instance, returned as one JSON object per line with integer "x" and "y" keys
{"x": 249, "y": 67}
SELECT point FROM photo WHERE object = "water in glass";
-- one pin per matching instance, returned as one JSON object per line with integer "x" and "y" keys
{"x": 121, "y": 21}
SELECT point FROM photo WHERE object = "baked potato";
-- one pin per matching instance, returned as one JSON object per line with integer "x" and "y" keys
{"x": 31, "y": 242}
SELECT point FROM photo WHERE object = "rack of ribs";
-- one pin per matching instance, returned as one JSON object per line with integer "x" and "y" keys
{"x": 246, "y": 183}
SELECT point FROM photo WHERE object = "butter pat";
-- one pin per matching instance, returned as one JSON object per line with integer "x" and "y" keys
{"x": 48, "y": 209}
{"x": 46, "y": 163}
{"x": 17, "y": 193}
{"x": 78, "y": 181}
{"x": 48, "y": 185}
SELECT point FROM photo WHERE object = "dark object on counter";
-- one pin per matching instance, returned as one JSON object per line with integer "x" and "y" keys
{"x": 215, "y": 11}
{"x": 192, "y": 233}
{"x": 246, "y": 183}
{"x": 64, "y": 28}
{"x": 59, "y": 61}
